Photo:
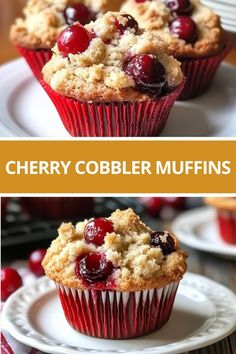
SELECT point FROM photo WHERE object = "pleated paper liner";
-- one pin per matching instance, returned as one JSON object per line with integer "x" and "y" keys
{"x": 58, "y": 207}
{"x": 200, "y": 73}
{"x": 36, "y": 59}
{"x": 113, "y": 119}
{"x": 117, "y": 315}
{"x": 227, "y": 225}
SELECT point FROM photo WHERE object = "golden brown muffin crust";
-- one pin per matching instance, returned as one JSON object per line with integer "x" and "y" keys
{"x": 98, "y": 73}
{"x": 138, "y": 265}
{"x": 43, "y": 20}
{"x": 226, "y": 203}
{"x": 155, "y": 16}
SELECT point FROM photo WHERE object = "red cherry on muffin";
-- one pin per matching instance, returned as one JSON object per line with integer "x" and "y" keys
{"x": 35, "y": 262}
{"x": 93, "y": 267}
{"x": 185, "y": 28}
{"x": 74, "y": 39}
{"x": 77, "y": 13}
{"x": 10, "y": 282}
{"x": 130, "y": 23}
{"x": 181, "y": 7}
{"x": 163, "y": 240}
{"x": 96, "y": 230}
{"x": 148, "y": 73}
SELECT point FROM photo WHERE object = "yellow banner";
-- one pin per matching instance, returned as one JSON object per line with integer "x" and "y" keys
{"x": 118, "y": 167}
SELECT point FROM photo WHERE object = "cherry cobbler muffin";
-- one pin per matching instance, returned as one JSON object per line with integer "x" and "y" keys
{"x": 226, "y": 216}
{"x": 115, "y": 276}
{"x": 111, "y": 78}
{"x": 192, "y": 32}
{"x": 36, "y": 32}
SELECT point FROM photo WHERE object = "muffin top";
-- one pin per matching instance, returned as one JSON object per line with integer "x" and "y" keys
{"x": 189, "y": 28}
{"x": 43, "y": 20}
{"x": 223, "y": 203}
{"x": 118, "y": 253}
{"x": 111, "y": 59}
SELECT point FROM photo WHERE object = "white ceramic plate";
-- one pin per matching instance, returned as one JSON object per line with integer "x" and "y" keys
{"x": 204, "y": 313}
{"x": 26, "y": 110}
{"x": 198, "y": 229}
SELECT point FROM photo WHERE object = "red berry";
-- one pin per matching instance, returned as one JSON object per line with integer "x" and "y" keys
{"x": 130, "y": 23}
{"x": 181, "y": 7}
{"x": 74, "y": 39}
{"x": 10, "y": 282}
{"x": 148, "y": 73}
{"x": 185, "y": 28}
{"x": 163, "y": 240}
{"x": 153, "y": 205}
{"x": 96, "y": 230}
{"x": 35, "y": 262}
{"x": 77, "y": 13}
{"x": 175, "y": 202}
{"x": 93, "y": 267}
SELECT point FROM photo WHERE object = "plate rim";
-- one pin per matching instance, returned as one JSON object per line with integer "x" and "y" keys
{"x": 183, "y": 226}
{"x": 43, "y": 286}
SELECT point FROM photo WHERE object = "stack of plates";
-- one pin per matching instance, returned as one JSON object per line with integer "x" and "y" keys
{"x": 227, "y": 10}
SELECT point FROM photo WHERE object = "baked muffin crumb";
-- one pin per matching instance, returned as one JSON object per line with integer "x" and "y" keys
{"x": 138, "y": 265}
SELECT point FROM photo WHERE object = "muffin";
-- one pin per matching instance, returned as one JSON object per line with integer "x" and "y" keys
{"x": 36, "y": 32}
{"x": 193, "y": 34}
{"x": 116, "y": 278}
{"x": 4, "y": 203}
{"x": 58, "y": 207}
{"x": 110, "y": 78}
{"x": 226, "y": 217}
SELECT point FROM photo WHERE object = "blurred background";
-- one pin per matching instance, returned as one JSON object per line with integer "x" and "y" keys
{"x": 10, "y": 9}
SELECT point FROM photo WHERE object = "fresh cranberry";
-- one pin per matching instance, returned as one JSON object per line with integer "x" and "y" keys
{"x": 148, "y": 73}
{"x": 93, "y": 267}
{"x": 35, "y": 262}
{"x": 10, "y": 282}
{"x": 181, "y": 7}
{"x": 74, "y": 39}
{"x": 175, "y": 202}
{"x": 130, "y": 23}
{"x": 96, "y": 230}
{"x": 163, "y": 240}
{"x": 185, "y": 28}
{"x": 152, "y": 205}
{"x": 77, "y": 13}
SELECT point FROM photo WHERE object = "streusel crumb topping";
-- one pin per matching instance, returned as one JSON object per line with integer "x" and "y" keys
{"x": 43, "y": 20}
{"x": 156, "y": 16}
{"x": 137, "y": 263}
{"x": 98, "y": 73}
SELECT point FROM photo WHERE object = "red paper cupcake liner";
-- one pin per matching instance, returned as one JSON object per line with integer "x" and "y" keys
{"x": 36, "y": 59}
{"x": 58, "y": 207}
{"x": 113, "y": 119}
{"x": 117, "y": 315}
{"x": 200, "y": 73}
{"x": 227, "y": 226}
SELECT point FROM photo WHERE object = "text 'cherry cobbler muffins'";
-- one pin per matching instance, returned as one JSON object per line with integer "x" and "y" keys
{"x": 116, "y": 277}
{"x": 226, "y": 217}
{"x": 111, "y": 78}
{"x": 193, "y": 34}
{"x": 36, "y": 32}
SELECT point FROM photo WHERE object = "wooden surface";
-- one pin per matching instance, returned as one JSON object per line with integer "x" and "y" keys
{"x": 10, "y": 9}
